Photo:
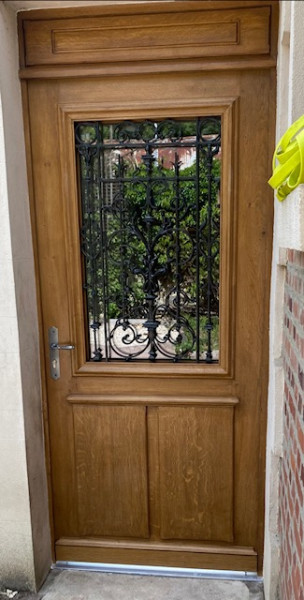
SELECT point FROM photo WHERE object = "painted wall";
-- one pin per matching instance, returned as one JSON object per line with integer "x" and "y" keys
{"x": 24, "y": 528}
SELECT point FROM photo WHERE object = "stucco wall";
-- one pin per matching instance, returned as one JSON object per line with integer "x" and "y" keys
{"x": 24, "y": 526}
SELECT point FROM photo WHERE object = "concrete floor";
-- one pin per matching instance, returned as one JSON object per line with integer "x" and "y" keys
{"x": 80, "y": 585}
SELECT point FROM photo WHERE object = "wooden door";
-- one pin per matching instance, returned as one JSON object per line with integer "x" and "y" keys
{"x": 156, "y": 439}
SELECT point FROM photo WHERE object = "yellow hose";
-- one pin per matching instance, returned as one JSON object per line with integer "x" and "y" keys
{"x": 288, "y": 161}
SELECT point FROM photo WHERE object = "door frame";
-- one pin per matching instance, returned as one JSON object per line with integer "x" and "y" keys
{"x": 69, "y": 113}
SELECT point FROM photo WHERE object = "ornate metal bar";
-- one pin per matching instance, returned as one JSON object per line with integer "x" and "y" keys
{"x": 150, "y": 238}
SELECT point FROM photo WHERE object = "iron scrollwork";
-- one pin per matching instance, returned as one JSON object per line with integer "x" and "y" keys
{"x": 150, "y": 238}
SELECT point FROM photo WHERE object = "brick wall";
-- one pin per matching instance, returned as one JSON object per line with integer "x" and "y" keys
{"x": 292, "y": 468}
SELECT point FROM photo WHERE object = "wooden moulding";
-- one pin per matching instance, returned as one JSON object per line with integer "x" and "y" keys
{"x": 227, "y": 108}
{"x": 150, "y": 400}
{"x": 153, "y": 553}
{"x": 151, "y": 37}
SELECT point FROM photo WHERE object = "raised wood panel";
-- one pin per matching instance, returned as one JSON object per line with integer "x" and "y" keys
{"x": 183, "y": 34}
{"x": 196, "y": 473}
{"x": 111, "y": 470}
{"x": 109, "y": 37}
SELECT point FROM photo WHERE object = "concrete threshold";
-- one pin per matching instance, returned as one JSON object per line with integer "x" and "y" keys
{"x": 88, "y": 585}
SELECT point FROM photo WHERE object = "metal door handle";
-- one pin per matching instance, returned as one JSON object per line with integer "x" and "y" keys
{"x": 54, "y": 352}
{"x": 62, "y": 346}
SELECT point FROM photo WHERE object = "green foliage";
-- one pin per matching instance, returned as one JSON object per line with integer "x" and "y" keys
{"x": 185, "y": 347}
{"x": 131, "y": 251}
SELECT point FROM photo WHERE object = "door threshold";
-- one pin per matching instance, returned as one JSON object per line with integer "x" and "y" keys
{"x": 158, "y": 571}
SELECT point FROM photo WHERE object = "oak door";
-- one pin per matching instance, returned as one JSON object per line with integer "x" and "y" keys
{"x": 153, "y": 227}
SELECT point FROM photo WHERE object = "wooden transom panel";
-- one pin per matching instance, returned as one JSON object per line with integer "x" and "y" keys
{"x": 195, "y": 33}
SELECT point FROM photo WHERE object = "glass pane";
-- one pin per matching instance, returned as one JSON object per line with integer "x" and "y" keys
{"x": 150, "y": 235}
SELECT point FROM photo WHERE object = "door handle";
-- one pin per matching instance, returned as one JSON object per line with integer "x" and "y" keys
{"x": 62, "y": 346}
{"x": 54, "y": 348}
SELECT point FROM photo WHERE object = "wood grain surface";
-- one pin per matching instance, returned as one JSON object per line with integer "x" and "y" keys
{"x": 154, "y": 36}
{"x": 111, "y": 470}
{"x": 155, "y": 464}
{"x": 196, "y": 473}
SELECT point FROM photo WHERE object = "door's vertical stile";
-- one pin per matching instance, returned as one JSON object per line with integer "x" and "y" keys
{"x": 251, "y": 354}
{"x": 153, "y": 480}
{"x": 72, "y": 221}
{"x": 48, "y": 207}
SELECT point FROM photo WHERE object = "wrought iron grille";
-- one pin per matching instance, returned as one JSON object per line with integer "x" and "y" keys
{"x": 150, "y": 237}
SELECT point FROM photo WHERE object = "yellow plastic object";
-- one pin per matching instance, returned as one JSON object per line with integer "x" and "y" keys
{"x": 289, "y": 154}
